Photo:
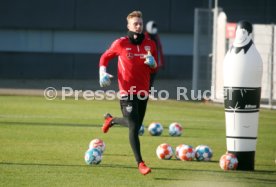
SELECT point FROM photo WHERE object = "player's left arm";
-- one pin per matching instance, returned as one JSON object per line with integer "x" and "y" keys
{"x": 155, "y": 56}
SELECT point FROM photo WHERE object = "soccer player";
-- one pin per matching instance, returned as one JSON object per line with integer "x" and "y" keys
{"x": 136, "y": 61}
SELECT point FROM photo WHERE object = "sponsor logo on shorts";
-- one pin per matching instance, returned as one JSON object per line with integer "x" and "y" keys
{"x": 129, "y": 108}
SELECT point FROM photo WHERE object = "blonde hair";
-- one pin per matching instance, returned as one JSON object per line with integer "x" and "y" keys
{"x": 133, "y": 14}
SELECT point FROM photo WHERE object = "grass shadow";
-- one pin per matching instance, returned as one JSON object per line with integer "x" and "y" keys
{"x": 67, "y": 165}
{"x": 48, "y": 124}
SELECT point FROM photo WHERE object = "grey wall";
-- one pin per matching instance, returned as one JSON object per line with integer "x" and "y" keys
{"x": 99, "y": 15}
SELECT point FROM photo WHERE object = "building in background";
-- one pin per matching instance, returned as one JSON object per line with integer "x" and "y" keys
{"x": 63, "y": 39}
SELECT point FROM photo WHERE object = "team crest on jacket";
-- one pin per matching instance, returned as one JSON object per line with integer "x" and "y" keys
{"x": 130, "y": 55}
{"x": 129, "y": 108}
{"x": 147, "y": 48}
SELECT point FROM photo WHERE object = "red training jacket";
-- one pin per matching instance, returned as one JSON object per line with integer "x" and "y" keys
{"x": 132, "y": 72}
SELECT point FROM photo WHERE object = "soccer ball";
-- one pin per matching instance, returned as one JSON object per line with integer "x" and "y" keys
{"x": 186, "y": 153}
{"x": 175, "y": 129}
{"x": 228, "y": 161}
{"x": 155, "y": 129}
{"x": 98, "y": 144}
{"x": 203, "y": 153}
{"x": 141, "y": 130}
{"x": 93, "y": 156}
{"x": 164, "y": 151}
{"x": 177, "y": 150}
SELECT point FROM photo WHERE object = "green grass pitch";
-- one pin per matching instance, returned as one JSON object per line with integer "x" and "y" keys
{"x": 42, "y": 143}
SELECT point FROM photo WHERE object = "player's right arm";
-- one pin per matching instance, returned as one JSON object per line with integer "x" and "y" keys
{"x": 104, "y": 77}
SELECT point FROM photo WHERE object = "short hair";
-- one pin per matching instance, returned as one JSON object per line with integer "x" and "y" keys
{"x": 135, "y": 13}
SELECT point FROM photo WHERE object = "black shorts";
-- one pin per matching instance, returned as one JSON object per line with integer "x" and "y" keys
{"x": 134, "y": 109}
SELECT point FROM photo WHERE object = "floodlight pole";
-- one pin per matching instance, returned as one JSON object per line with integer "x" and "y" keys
{"x": 271, "y": 68}
{"x": 214, "y": 50}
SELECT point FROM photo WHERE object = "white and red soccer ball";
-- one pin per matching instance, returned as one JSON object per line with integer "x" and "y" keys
{"x": 228, "y": 161}
{"x": 175, "y": 129}
{"x": 164, "y": 151}
{"x": 98, "y": 144}
{"x": 203, "y": 153}
{"x": 185, "y": 152}
{"x": 177, "y": 150}
{"x": 155, "y": 129}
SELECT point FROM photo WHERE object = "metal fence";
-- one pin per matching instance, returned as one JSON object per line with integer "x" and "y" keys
{"x": 264, "y": 39}
{"x": 209, "y": 55}
{"x": 202, "y": 60}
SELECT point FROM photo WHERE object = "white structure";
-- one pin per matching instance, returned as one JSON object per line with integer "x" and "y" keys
{"x": 242, "y": 79}
{"x": 207, "y": 73}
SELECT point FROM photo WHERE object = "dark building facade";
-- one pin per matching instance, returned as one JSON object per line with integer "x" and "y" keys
{"x": 63, "y": 39}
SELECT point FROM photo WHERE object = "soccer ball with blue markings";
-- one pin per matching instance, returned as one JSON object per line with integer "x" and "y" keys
{"x": 203, "y": 153}
{"x": 93, "y": 156}
{"x": 175, "y": 129}
{"x": 155, "y": 129}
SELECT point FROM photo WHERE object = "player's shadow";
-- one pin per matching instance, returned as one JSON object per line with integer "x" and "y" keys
{"x": 168, "y": 169}
{"x": 119, "y": 155}
{"x": 262, "y": 181}
{"x": 201, "y": 162}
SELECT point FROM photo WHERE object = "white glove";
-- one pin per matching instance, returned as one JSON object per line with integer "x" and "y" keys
{"x": 150, "y": 61}
{"x": 104, "y": 77}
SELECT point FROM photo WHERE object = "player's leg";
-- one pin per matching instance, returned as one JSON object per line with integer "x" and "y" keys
{"x": 142, "y": 107}
{"x": 121, "y": 121}
{"x": 130, "y": 113}
{"x": 129, "y": 108}
{"x": 109, "y": 120}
